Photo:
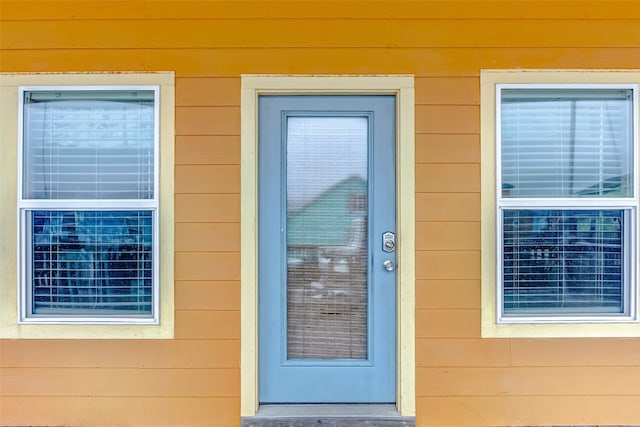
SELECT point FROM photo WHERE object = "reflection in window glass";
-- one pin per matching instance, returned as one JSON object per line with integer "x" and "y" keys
{"x": 327, "y": 273}
{"x": 567, "y": 143}
{"x": 91, "y": 262}
{"x": 563, "y": 261}
{"x": 88, "y": 145}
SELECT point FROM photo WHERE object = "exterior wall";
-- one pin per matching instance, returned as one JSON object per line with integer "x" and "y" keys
{"x": 194, "y": 379}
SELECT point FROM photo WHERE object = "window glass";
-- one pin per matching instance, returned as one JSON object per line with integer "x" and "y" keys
{"x": 88, "y": 262}
{"x": 85, "y": 252}
{"x": 567, "y": 143}
{"x": 563, "y": 261}
{"x": 568, "y": 253}
{"x": 327, "y": 237}
{"x": 88, "y": 145}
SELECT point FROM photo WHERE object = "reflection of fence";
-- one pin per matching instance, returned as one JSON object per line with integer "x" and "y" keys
{"x": 327, "y": 305}
{"x": 557, "y": 259}
{"x": 327, "y": 298}
{"x": 111, "y": 278}
{"x": 91, "y": 262}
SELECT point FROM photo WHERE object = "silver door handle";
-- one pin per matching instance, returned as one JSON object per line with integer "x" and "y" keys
{"x": 389, "y": 265}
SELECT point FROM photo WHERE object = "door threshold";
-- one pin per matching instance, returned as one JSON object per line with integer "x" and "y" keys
{"x": 324, "y": 410}
{"x": 338, "y": 415}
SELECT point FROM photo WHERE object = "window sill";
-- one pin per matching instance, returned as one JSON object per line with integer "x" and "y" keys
{"x": 604, "y": 329}
{"x": 114, "y": 331}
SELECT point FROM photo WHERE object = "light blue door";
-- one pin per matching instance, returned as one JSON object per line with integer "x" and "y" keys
{"x": 327, "y": 285}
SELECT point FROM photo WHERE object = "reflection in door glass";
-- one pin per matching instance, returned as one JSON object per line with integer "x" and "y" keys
{"x": 327, "y": 237}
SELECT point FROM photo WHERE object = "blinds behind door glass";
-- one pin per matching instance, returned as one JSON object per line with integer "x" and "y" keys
{"x": 567, "y": 142}
{"x": 563, "y": 262}
{"x": 327, "y": 268}
{"x": 91, "y": 262}
{"x": 88, "y": 145}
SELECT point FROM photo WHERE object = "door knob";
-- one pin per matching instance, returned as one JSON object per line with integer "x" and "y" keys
{"x": 389, "y": 265}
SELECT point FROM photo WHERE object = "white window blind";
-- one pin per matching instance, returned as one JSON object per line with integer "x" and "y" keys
{"x": 88, "y": 145}
{"x": 572, "y": 150}
{"x": 567, "y": 142}
{"x": 86, "y": 254}
{"x": 327, "y": 237}
{"x": 564, "y": 261}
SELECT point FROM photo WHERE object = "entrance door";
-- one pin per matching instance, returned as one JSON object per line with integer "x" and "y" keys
{"x": 327, "y": 203}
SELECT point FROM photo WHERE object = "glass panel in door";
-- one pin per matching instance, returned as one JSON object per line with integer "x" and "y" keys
{"x": 327, "y": 272}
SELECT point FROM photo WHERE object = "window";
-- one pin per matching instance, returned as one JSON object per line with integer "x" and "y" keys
{"x": 565, "y": 205}
{"x": 571, "y": 150}
{"x": 88, "y": 204}
{"x": 94, "y": 197}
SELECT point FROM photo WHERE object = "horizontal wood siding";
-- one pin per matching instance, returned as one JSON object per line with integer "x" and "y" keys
{"x": 193, "y": 380}
{"x": 246, "y": 9}
{"x": 120, "y": 410}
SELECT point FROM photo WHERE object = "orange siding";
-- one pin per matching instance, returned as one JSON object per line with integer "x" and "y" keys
{"x": 471, "y": 352}
{"x": 207, "y": 295}
{"x": 120, "y": 410}
{"x": 444, "y": 236}
{"x": 193, "y": 380}
{"x": 448, "y": 178}
{"x": 121, "y": 382}
{"x": 207, "y": 178}
{"x": 207, "y": 208}
{"x": 447, "y": 148}
{"x": 438, "y": 62}
{"x": 208, "y": 150}
{"x": 198, "y": 354}
{"x": 447, "y": 294}
{"x": 531, "y": 410}
{"x": 206, "y": 236}
{"x": 208, "y": 325}
{"x": 447, "y": 207}
{"x": 401, "y": 9}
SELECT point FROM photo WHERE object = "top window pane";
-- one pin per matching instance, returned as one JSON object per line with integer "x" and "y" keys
{"x": 88, "y": 144}
{"x": 566, "y": 143}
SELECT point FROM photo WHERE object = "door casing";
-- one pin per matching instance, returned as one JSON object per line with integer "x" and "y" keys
{"x": 403, "y": 88}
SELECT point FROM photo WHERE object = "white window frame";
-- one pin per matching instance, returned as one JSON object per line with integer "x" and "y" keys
{"x": 494, "y": 322}
{"x": 627, "y": 204}
{"x": 25, "y": 204}
{"x": 161, "y": 326}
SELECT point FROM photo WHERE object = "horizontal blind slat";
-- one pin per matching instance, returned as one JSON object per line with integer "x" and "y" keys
{"x": 554, "y": 260}
{"x": 566, "y": 142}
{"x": 91, "y": 136}
{"x": 91, "y": 261}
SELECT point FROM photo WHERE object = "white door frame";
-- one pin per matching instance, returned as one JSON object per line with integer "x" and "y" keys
{"x": 403, "y": 88}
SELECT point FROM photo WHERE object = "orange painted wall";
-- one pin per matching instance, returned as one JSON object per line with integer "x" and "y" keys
{"x": 193, "y": 380}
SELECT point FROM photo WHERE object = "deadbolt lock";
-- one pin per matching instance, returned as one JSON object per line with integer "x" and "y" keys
{"x": 388, "y": 241}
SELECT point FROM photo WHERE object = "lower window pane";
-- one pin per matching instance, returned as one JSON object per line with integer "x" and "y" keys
{"x": 91, "y": 263}
{"x": 563, "y": 262}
